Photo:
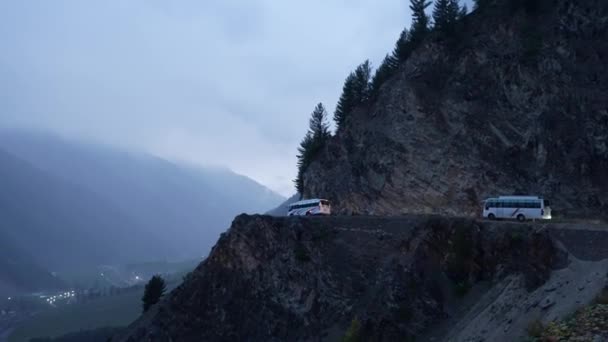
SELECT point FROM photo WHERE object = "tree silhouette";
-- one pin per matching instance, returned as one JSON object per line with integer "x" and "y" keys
{"x": 316, "y": 137}
{"x": 420, "y": 21}
{"x": 384, "y": 72}
{"x": 346, "y": 102}
{"x": 403, "y": 48}
{"x": 464, "y": 10}
{"x": 356, "y": 91}
{"x": 363, "y": 75}
{"x": 445, "y": 14}
{"x": 154, "y": 290}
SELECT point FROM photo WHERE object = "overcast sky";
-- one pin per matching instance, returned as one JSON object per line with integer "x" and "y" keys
{"x": 224, "y": 82}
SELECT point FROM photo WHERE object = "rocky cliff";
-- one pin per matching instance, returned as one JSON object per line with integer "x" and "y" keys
{"x": 377, "y": 279}
{"x": 515, "y": 103}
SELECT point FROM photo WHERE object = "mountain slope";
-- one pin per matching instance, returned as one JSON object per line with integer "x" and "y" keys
{"x": 391, "y": 278}
{"x": 165, "y": 209}
{"x": 515, "y": 103}
{"x": 62, "y": 225}
{"x": 19, "y": 273}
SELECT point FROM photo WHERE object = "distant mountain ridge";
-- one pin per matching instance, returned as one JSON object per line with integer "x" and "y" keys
{"x": 71, "y": 204}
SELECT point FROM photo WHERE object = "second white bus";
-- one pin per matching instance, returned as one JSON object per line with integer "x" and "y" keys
{"x": 517, "y": 207}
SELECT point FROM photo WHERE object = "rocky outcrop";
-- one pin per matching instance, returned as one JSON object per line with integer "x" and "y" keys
{"x": 311, "y": 279}
{"x": 515, "y": 103}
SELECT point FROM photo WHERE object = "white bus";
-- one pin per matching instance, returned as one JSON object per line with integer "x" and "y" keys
{"x": 310, "y": 207}
{"x": 517, "y": 207}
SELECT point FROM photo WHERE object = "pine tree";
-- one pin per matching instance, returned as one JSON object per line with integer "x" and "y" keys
{"x": 464, "y": 10}
{"x": 384, "y": 72}
{"x": 453, "y": 12}
{"x": 346, "y": 102}
{"x": 420, "y": 20}
{"x": 363, "y": 75}
{"x": 440, "y": 13}
{"x": 303, "y": 161}
{"x": 316, "y": 137}
{"x": 445, "y": 14}
{"x": 155, "y": 289}
{"x": 403, "y": 48}
{"x": 356, "y": 91}
{"x": 318, "y": 125}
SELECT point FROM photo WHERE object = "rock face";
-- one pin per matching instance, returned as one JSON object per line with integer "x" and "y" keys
{"x": 515, "y": 103}
{"x": 311, "y": 279}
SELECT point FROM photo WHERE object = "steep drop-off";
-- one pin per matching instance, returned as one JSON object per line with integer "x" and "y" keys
{"x": 516, "y": 102}
{"x": 288, "y": 279}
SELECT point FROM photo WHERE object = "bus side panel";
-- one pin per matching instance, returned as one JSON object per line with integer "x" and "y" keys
{"x": 513, "y": 212}
{"x": 297, "y": 212}
{"x": 489, "y": 211}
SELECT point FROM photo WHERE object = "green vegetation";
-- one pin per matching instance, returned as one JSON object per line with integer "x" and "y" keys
{"x": 584, "y": 325}
{"x": 535, "y": 328}
{"x": 355, "y": 92}
{"x": 363, "y": 85}
{"x": 154, "y": 290}
{"x": 110, "y": 311}
{"x": 445, "y": 14}
{"x": 316, "y": 137}
{"x": 383, "y": 73}
{"x": 353, "y": 334}
{"x": 420, "y": 21}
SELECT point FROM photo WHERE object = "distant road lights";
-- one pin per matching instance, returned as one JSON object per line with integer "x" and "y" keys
{"x": 136, "y": 277}
{"x": 10, "y": 298}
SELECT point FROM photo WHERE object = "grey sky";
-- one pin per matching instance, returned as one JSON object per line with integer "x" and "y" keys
{"x": 225, "y": 82}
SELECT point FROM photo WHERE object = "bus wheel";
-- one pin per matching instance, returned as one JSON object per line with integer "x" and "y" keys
{"x": 521, "y": 218}
{"x": 492, "y": 217}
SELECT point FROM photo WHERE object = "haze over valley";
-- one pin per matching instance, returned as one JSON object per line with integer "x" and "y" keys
{"x": 403, "y": 170}
{"x": 72, "y": 205}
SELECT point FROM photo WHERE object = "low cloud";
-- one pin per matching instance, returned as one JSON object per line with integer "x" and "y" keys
{"x": 227, "y": 82}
